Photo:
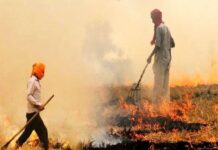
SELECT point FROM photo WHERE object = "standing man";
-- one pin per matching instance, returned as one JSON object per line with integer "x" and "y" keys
{"x": 163, "y": 42}
{"x": 34, "y": 105}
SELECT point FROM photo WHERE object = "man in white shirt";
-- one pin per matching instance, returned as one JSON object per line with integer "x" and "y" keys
{"x": 34, "y": 105}
{"x": 163, "y": 43}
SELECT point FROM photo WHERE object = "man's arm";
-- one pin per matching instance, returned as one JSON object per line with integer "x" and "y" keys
{"x": 30, "y": 98}
{"x": 158, "y": 40}
{"x": 172, "y": 42}
{"x": 156, "y": 48}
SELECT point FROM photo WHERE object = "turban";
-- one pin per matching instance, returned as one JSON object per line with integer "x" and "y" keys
{"x": 38, "y": 70}
{"x": 156, "y": 14}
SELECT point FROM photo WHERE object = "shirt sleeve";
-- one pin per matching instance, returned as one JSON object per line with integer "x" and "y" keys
{"x": 158, "y": 37}
{"x": 172, "y": 42}
{"x": 30, "y": 91}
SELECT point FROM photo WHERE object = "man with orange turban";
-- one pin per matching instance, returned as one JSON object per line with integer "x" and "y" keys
{"x": 34, "y": 105}
{"x": 163, "y": 43}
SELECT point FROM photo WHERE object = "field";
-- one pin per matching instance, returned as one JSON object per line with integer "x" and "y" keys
{"x": 189, "y": 120}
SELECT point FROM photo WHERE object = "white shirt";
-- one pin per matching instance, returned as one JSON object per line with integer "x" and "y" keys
{"x": 163, "y": 41}
{"x": 33, "y": 94}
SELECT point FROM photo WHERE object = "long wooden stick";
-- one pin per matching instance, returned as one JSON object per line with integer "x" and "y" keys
{"x": 6, "y": 144}
{"x": 139, "y": 81}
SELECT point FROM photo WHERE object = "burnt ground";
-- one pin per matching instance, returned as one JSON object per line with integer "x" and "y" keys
{"x": 166, "y": 123}
{"x": 203, "y": 96}
{"x": 143, "y": 145}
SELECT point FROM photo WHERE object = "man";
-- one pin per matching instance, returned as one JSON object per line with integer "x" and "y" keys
{"x": 34, "y": 105}
{"x": 163, "y": 43}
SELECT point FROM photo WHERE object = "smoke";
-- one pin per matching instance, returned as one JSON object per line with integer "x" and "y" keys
{"x": 108, "y": 65}
{"x": 107, "y": 62}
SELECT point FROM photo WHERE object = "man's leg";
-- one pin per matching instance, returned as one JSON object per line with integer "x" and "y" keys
{"x": 158, "y": 85}
{"x": 42, "y": 132}
{"x": 166, "y": 87}
{"x": 27, "y": 132}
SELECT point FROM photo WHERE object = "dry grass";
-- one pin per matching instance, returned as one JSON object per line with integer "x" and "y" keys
{"x": 204, "y": 99}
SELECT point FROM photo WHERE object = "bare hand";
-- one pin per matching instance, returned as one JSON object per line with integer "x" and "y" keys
{"x": 152, "y": 42}
{"x": 149, "y": 60}
{"x": 40, "y": 107}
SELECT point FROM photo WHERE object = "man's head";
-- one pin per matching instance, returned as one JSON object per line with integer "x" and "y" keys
{"x": 156, "y": 16}
{"x": 38, "y": 70}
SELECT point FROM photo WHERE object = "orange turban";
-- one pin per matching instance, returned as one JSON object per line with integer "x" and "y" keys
{"x": 38, "y": 70}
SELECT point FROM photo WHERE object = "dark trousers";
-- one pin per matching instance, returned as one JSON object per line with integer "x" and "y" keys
{"x": 39, "y": 127}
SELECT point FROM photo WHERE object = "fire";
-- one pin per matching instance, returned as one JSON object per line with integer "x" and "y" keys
{"x": 33, "y": 140}
{"x": 186, "y": 80}
{"x": 189, "y": 117}
{"x": 174, "y": 110}
{"x": 213, "y": 72}
{"x": 184, "y": 119}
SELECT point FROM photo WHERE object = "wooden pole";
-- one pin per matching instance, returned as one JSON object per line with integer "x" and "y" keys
{"x": 6, "y": 144}
{"x": 139, "y": 81}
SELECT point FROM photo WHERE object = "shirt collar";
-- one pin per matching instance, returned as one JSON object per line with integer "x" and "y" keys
{"x": 35, "y": 78}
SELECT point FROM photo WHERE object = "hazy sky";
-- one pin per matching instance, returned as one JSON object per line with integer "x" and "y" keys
{"x": 93, "y": 42}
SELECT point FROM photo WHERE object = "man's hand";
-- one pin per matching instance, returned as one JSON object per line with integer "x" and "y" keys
{"x": 40, "y": 107}
{"x": 149, "y": 60}
{"x": 152, "y": 42}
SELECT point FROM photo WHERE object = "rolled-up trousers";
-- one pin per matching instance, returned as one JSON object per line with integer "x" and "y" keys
{"x": 39, "y": 127}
